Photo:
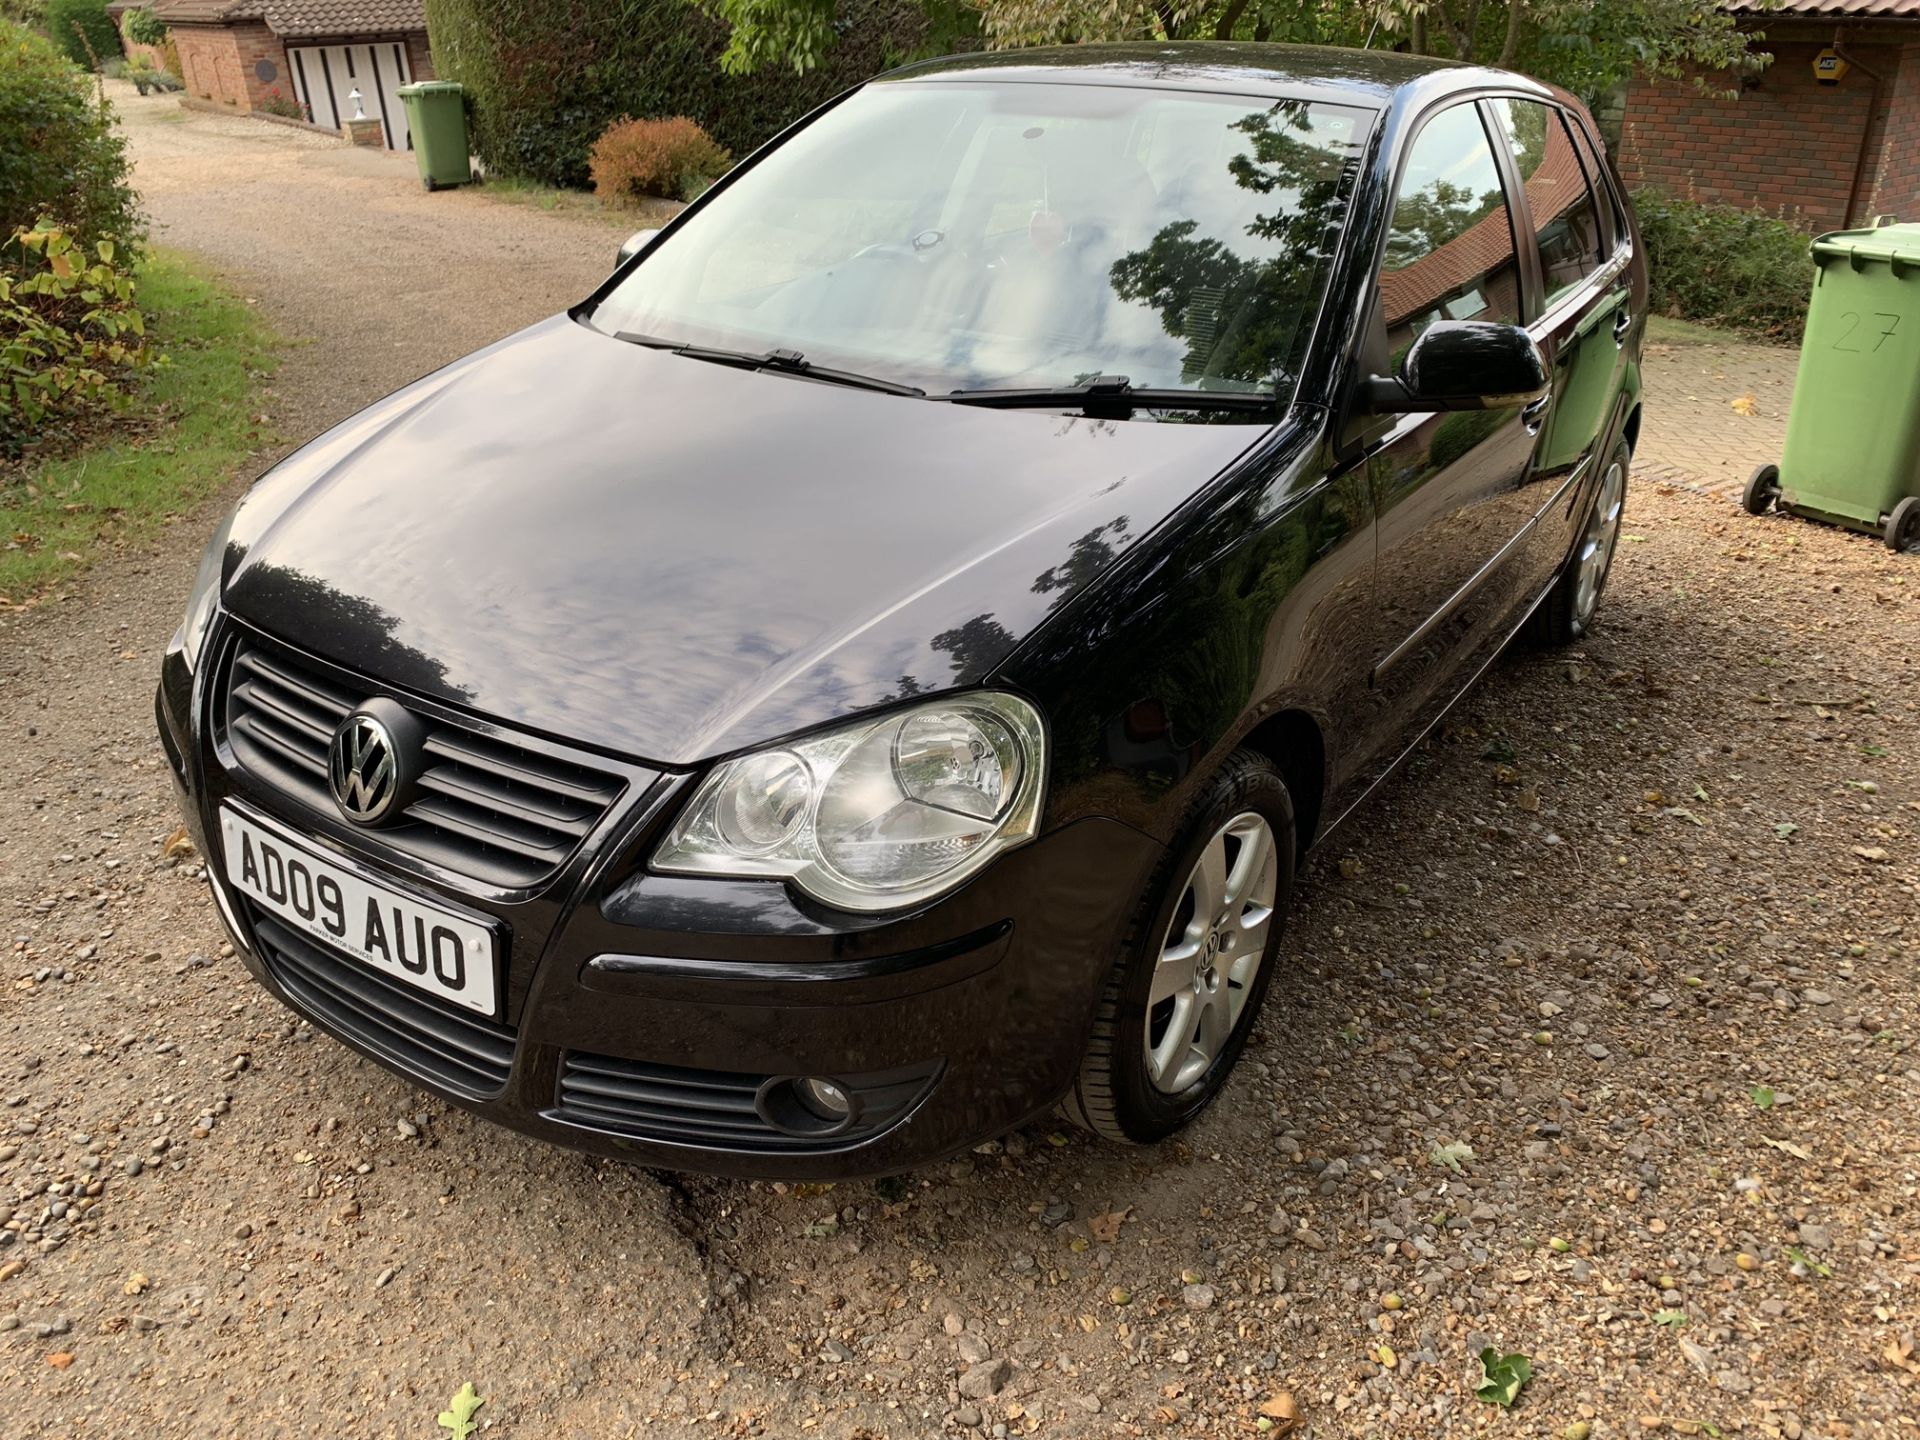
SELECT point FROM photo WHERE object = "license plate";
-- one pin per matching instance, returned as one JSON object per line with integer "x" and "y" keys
{"x": 398, "y": 934}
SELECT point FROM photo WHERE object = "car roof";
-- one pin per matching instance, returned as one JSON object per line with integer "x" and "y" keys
{"x": 1379, "y": 78}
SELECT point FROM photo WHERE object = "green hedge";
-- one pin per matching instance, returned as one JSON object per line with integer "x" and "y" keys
{"x": 1742, "y": 269}
{"x": 89, "y": 17}
{"x": 544, "y": 78}
{"x": 60, "y": 158}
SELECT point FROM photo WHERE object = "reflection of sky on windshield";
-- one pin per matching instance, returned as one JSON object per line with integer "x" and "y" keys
{"x": 667, "y": 557}
{"x": 962, "y": 236}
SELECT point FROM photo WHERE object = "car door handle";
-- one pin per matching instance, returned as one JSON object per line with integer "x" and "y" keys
{"x": 1622, "y": 323}
{"x": 1535, "y": 415}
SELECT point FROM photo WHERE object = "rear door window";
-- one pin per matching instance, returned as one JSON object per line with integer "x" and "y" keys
{"x": 1450, "y": 251}
{"x": 1566, "y": 222}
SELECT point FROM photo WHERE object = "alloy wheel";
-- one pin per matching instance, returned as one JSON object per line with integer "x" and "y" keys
{"x": 1597, "y": 545}
{"x": 1213, "y": 949}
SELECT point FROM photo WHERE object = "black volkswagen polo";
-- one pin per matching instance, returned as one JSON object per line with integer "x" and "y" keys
{"x": 869, "y": 673}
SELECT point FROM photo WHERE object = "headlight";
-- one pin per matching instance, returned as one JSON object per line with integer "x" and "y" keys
{"x": 875, "y": 815}
{"x": 206, "y": 593}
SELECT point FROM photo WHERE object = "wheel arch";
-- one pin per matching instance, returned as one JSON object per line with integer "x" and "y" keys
{"x": 1293, "y": 741}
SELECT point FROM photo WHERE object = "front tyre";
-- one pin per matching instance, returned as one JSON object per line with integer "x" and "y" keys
{"x": 1567, "y": 612}
{"x": 1198, "y": 956}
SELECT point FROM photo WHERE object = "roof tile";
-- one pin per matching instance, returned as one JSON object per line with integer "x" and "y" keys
{"x": 302, "y": 19}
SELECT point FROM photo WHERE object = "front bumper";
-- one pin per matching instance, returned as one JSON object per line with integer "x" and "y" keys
{"x": 652, "y": 1017}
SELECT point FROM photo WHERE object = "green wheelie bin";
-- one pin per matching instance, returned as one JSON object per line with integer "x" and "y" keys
{"x": 1853, "y": 435}
{"x": 437, "y": 120}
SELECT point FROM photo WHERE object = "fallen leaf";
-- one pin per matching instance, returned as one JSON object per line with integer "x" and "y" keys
{"x": 177, "y": 846}
{"x": 136, "y": 1284}
{"x": 1451, "y": 1157}
{"x": 1280, "y": 1409}
{"x": 1872, "y": 854}
{"x": 1106, "y": 1228}
{"x": 1502, "y": 1377}
{"x": 60, "y": 1359}
{"x": 1747, "y": 404}
{"x": 458, "y": 1416}
{"x": 1798, "y": 1152}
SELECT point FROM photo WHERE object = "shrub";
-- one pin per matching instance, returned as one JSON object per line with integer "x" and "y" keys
{"x": 61, "y": 158}
{"x": 70, "y": 333}
{"x": 143, "y": 27}
{"x": 146, "y": 76}
{"x": 83, "y": 30}
{"x": 545, "y": 78}
{"x": 1720, "y": 265}
{"x": 672, "y": 158}
{"x": 285, "y": 106}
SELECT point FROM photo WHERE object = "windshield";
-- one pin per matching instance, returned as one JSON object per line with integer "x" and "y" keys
{"x": 951, "y": 237}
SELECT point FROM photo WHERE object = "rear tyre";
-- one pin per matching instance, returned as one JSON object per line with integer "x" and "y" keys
{"x": 1567, "y": 612}
{"x": 1763, "y": 488}
{"x": 1903, "y": 526}
{"x": 1198, "y": 957}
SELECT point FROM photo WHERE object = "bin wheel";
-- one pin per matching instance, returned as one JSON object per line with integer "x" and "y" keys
{"x": 1903, "y": 526}
{"x": 427, "y": 184}
{"x": 1763, "y": 488}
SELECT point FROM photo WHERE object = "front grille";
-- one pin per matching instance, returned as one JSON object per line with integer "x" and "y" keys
{"x": 503, "y": 813}
{"x": 458, "y": 1052}
{"x": 714, "y": 1107}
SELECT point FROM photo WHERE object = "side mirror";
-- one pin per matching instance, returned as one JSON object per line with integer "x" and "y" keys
{"x": 1463, "y": 365}
{"x": 635, "y": 243}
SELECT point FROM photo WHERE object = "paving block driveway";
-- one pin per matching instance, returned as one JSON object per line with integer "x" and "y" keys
{"x": 1626, "y": 891}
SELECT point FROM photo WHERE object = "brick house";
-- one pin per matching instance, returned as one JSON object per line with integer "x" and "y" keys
{"x": 272, "y": 55}
{"x": 1822, "y": 155}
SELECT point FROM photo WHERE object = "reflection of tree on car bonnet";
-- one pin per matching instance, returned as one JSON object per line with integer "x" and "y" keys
{"x": 1247, "y": 320}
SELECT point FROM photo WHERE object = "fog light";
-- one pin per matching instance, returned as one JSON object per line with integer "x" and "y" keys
{"x": 810, "y": 1106}
{"x": 824, "y": 1098}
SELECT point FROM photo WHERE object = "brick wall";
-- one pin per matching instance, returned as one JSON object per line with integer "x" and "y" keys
{"x": 1898, "y": 189}
{"x": 219, "y": 62}
{"x": 1789, "y": 146}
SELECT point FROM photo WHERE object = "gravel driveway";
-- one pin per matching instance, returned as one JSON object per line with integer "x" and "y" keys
{"x": 1595, "y": 1042}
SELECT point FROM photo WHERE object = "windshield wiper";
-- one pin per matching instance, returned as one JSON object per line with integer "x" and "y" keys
{"x": 1109, "y": 394}
{"x": 786, "y": 362}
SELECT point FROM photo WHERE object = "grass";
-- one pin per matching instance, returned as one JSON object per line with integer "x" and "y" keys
{"x": 649, "y": 214}
{"x": 189, "y": 428}
{"x": 1664, "y": 330}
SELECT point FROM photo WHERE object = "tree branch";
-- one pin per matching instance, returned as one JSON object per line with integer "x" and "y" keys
{"x": 1230, "y": 17}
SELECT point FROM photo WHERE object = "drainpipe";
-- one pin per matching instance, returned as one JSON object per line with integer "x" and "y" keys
{"x": 1866, "y": 132}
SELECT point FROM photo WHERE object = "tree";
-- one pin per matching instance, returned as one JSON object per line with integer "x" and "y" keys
{"x": 1588, "y": 46}
{"x": 84, "y": 30}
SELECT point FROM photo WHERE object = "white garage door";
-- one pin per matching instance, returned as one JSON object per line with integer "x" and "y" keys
{"x": 325, "y": 75}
